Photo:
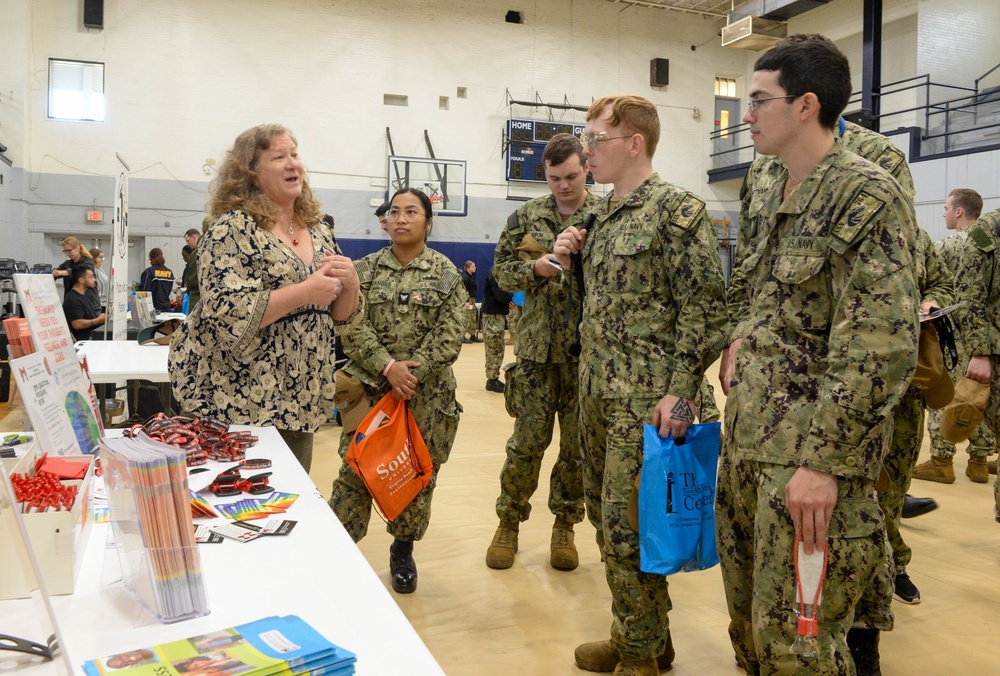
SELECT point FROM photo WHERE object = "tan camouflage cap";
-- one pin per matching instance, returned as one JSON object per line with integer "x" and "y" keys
{"x": 529, "y": 249}
{"x": 931, "y": 377}
{"x": 350, "y": 399}
{"x": 965, "y": 412}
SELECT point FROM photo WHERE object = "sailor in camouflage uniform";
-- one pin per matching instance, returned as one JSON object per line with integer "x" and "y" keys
{"x": 874, "y": 612}
{"x": 410, "y": 336}
{"x": 962, "y": 209}
{"x": 826, "y": 345}
{"x": 654, "y": 318}
{"x": 543, "y": 383}
{"x": 496, "y": 306}
{"x": 978, "y": 283}
{"x": 757, "y": 183}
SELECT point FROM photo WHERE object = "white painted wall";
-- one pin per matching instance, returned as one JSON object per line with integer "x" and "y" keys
{"x": 184, "y": 77}
{"x": 934, "y": 180}
{"x": 957, "y": 40}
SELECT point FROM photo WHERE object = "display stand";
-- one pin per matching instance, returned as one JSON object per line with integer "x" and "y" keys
{"x": 150, "y": 511}
{"x": 30, "y": 622}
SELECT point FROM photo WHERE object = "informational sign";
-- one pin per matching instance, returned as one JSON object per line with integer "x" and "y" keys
{"x": 527, "y": 139}
{"x": 119, "y": 255}
{"x": 46, "y": 320}
{"x": 56, "y": 393}
{"x": 58, "y": 400}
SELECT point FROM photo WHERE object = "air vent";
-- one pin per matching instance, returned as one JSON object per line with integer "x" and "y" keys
{"x": 753, "y": 33}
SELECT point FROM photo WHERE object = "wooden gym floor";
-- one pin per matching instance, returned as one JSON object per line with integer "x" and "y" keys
{"x": 528, "y": 619}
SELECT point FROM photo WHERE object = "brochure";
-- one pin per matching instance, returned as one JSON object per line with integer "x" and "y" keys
{"x": 267, "y": 647}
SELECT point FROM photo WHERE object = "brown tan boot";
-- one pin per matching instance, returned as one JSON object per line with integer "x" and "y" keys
{"x": 563, "y": 554}
{"x": 992, "y": 466}
{"x": 634, "y": 667}
{"x": 937, "y": 469}
{"x": 601, "y": 656}
{"x": 977, "y": 469}
{"x": 500, "y": 555}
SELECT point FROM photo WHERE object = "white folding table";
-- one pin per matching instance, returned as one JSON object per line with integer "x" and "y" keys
{"x": 315, "y": 572}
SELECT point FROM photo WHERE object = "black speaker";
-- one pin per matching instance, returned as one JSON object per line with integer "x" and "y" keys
{"x": 93, "y": 14}
{"x": 659, "y": 72}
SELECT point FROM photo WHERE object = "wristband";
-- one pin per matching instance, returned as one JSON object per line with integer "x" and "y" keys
{"x": 388, "y": 366}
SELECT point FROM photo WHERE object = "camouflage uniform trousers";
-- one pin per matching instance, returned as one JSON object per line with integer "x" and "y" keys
{"x": 875, "y": 611}
{"x": 613, "y": 451}
{"x": 537, "y": 394}
{"x": 755, "y": 538}
{"x": 493, "y": 340}
{"x": 982, "y": 441}
{"x": 704, "y": 403}
{"x": 904, "y": 448}
{"x": 471, "y": 321}
{"x": 992, "y": 417}
{"x": 436, "y": 414}
{"x": 513, "y": 317}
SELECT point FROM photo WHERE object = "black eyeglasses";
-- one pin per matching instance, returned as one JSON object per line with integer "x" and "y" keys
{"x": 754, "y": 104}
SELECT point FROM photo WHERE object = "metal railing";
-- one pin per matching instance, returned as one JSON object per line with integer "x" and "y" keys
{"x": 933, "y": 109}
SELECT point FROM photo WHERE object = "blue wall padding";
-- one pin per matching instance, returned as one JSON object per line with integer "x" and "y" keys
{"x": 457, "y": 252}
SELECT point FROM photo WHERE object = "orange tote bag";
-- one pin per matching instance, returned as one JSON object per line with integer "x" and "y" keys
{"x": 389, "y": 454}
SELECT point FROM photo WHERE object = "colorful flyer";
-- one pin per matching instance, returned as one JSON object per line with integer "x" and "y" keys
{"x": 267, "y": 647}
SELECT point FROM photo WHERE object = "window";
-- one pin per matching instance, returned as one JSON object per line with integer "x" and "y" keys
{"x": 725, "y": 86}
{"x": 76, "y": 90}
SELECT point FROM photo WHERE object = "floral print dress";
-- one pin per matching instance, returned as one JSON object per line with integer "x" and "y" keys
{"x": 224, "y": 365}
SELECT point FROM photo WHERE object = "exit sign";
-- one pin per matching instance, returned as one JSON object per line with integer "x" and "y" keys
{"x": 95, "y": 216}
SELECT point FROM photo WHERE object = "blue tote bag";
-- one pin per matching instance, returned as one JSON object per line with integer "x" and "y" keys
{"x": 677, "y": 501}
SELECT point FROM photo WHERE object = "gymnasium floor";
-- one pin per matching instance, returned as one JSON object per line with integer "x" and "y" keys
{"x": 528, "y": 619}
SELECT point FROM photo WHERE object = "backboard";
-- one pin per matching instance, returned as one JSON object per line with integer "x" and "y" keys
{"x": 442, "y": 180}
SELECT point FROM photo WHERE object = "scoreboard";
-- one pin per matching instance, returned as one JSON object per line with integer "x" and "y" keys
{"x": 527, "y": 139}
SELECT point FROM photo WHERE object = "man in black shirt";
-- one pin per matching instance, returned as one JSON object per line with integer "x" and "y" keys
{"x": 469, "y": 279}
{"x": 82, "y": 314}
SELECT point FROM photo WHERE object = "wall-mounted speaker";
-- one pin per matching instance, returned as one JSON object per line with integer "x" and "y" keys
{"x": 93, "y": 14}
{"x": 659, "y": 72}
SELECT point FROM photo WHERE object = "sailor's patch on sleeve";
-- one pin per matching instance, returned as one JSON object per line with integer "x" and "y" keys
{"x": 862, "y": 210}
{"x": 687, "y": 213}
{"x": 890, "y": 159}
{"x": 364, "y": 270}
{"x": 981, "y": 238}
{"x": 449, "y": 279}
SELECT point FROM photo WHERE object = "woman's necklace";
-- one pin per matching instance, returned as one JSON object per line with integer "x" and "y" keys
{"x": 291, "y": 233}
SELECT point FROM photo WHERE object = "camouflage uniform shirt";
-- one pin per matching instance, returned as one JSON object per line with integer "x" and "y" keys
{"x": 544, "y": 334}
{"x": 412, "y": 312}
{"x": 654, "y": 313}
{"x": 978, "y": 283}
{"x": 766, "y": 170}
{"x": 830, "y": 321}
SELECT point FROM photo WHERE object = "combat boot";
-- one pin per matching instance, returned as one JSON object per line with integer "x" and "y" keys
{"x": 992, "y": 466}
{"x": 864, "y": 649}
{"x": 977, "y": 469}
{"x": 563, "y": 554}
{"x": 402, "y": 567}
{"x": 500, "y": 554}
{"x": 601, "y": 656}
{"x": 636, "y": 667}
{"x": 937, "y": 469}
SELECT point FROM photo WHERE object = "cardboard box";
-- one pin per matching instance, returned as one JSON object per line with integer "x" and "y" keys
{"x": 58, "y": 539}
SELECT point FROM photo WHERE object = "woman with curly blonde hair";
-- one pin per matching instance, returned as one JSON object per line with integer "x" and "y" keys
{"x": 77, "y": 258}
{"x": 258, "y": 349}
